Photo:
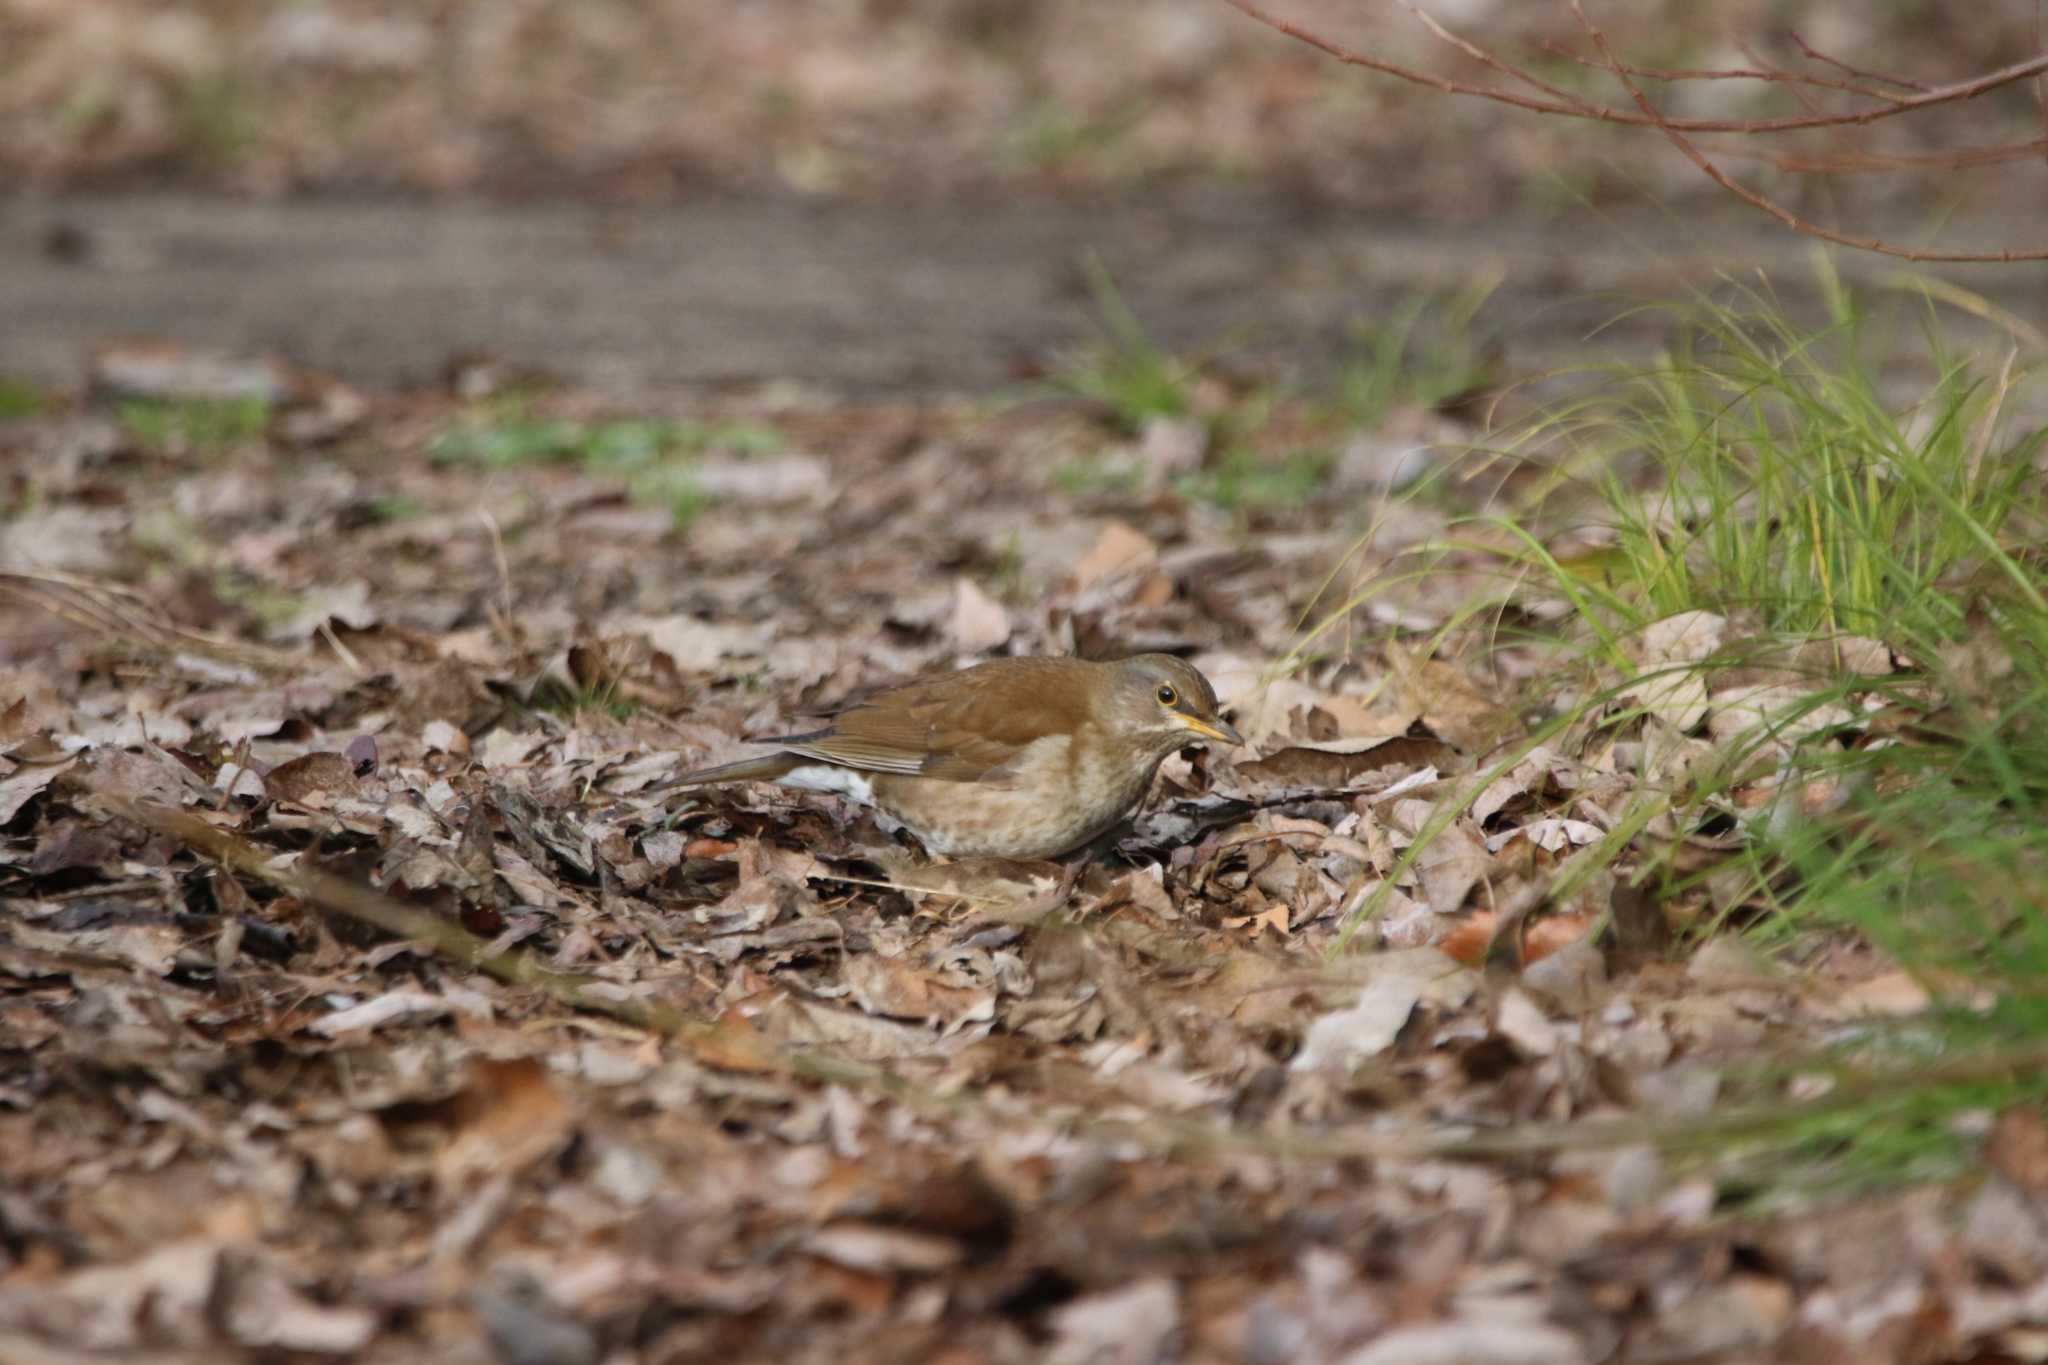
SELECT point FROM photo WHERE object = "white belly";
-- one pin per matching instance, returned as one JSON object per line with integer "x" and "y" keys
{"x": 824, "y": 777}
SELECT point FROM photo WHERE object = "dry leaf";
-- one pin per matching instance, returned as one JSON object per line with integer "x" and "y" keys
{"x": 1668, "y": 685}
{"x": 979, "y": 622}
{"x": 506, "y": 1117}
{"x": 1119, "y": 550}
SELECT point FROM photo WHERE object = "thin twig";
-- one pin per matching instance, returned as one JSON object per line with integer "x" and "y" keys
{"x": 119, "y": 612}
{"x": 1776, "y": 210}
{"x": 1770, "y": 75}
{"x": 1564, "y": 102}
{"x": 1817, "y": 55}
{"x": 1551, "y": 98}
{"x": 338, "y": 896}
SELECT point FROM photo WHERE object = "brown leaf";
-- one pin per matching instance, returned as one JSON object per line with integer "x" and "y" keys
{"x": 1344, "y": 764}
{"x": 73, "y": 844}
{"x": 1448, "y": 703}
{"x": 21, "y": 786}
{"x": 314, "y": 779}
{"x": 1669, "y": 685}
{"x": 732, "y": 1043}
{"x": 892, "y": 986}
{"x": 2018, "y": 1150}
{"x": 1468, "y": 942}
{"x": 867, "y": 1246}
{"x": 978, "y": 621}
{"x": 1450, "y": 866}
{"x": 1349, "y": 717}
{"x": 1554, "y": 933}
{"x": 506, "y": 1117}
{"x": 1273, "y": 916}
{"x": 1120, "y": 549}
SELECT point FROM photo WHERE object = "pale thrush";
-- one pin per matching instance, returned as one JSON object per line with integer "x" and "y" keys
{"x": 1013, "y": 758}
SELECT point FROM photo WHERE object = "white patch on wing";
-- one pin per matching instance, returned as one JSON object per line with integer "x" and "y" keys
{"x": 825, "y": 777}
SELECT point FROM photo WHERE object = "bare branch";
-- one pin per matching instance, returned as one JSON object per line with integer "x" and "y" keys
{"x": 1564, "y": 102}
{"x": 1776, "y": 210}
{"x": 1819, "y": 56}
{"x": 1761, "y": 72}
{"x": 1875, "y": 105}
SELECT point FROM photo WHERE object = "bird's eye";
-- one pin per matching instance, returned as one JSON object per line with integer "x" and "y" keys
{"x": 1167, "y": 696}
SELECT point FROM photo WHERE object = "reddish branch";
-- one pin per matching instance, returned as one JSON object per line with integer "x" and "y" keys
{"x": 1874, "y": 105}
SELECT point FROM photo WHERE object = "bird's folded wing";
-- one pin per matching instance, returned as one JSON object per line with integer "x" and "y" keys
{"x": 867, "y": 755}
{"x": 927, "y": 737}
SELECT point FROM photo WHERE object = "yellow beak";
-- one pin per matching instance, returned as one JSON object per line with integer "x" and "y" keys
{"x": 1218, "y": 729}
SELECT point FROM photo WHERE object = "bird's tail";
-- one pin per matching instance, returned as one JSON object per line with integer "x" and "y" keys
{"x": 766, "y": 768}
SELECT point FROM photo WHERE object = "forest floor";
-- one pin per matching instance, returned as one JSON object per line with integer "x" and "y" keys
{"x": 358, "y": 998}
{"x": 1620, "y": 939}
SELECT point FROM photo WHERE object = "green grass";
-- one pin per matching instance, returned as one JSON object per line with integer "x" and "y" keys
{"x": 1242, "y": 478}
{"x": 656, "y": 458}
{"x": 1775, "y": 476}
{"x": 203, "y": 425}
{"x": 1124, "y": 371}
{"x": 580, "y": 700}
{"x": 18, "y": 399}
{"x": 388, "y": 508}
{"x": 219, "y": 120}
{"x": 1049, "y": 136}
{"x": 1783, "y": 483}
{"x": 1424, "y": 352}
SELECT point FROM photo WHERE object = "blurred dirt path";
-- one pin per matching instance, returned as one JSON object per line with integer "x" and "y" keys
{"x": 948, "y": 295}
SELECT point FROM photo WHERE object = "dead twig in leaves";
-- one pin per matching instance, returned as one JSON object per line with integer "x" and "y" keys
{"x": 1162, "y": 1134}
{"x": 341, "y": 897}
{"x": 114, "y": 612}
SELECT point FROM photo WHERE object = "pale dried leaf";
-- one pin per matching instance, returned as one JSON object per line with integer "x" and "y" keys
{"x": 978, "y": 621}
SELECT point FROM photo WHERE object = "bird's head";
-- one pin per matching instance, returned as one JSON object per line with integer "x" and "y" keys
{"x": 1162, "y": 703}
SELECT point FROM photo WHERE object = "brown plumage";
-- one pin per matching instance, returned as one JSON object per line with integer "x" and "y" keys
{"x": 1013, "y": 758}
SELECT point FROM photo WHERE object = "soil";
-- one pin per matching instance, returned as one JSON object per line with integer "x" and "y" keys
{"x": 857, "y": 296}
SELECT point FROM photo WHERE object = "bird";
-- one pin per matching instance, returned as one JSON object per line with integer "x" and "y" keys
{"x": 1020, "y": 758}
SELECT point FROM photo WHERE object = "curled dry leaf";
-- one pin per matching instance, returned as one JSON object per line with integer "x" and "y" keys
{"x": 314, "y": 779}
{"x": 1535, "y": 775}
{"x": 891, "y": 986}
{"x": 2017, "y": 1149}
{"x": 1130, "y": 1324}
{"x": 1397, "y": 981}
{"x": 978, "y": 621}
{"x": 1118, "y": 551}
{"x": 507, "y": 1116}
{"x": 1365, "y": 765}
{"x": 24, "y": 783}
{"x": 693, "y": 645}
{"x": 1453, "y": 708}
{"x": 866, "y": 1246}
{"x": 1506, "y": 1341}
{"x": 347, "y": 605}
{"x": 1779, "y": 712}
{"x": 1669, "y": 684}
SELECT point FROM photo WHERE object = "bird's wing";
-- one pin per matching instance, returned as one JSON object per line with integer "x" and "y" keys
{"x": 854, "y": 752}
{"x": 952, "y": 733}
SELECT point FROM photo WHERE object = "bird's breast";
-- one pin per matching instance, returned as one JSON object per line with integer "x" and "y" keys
{"x": 1051, "y": 798}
